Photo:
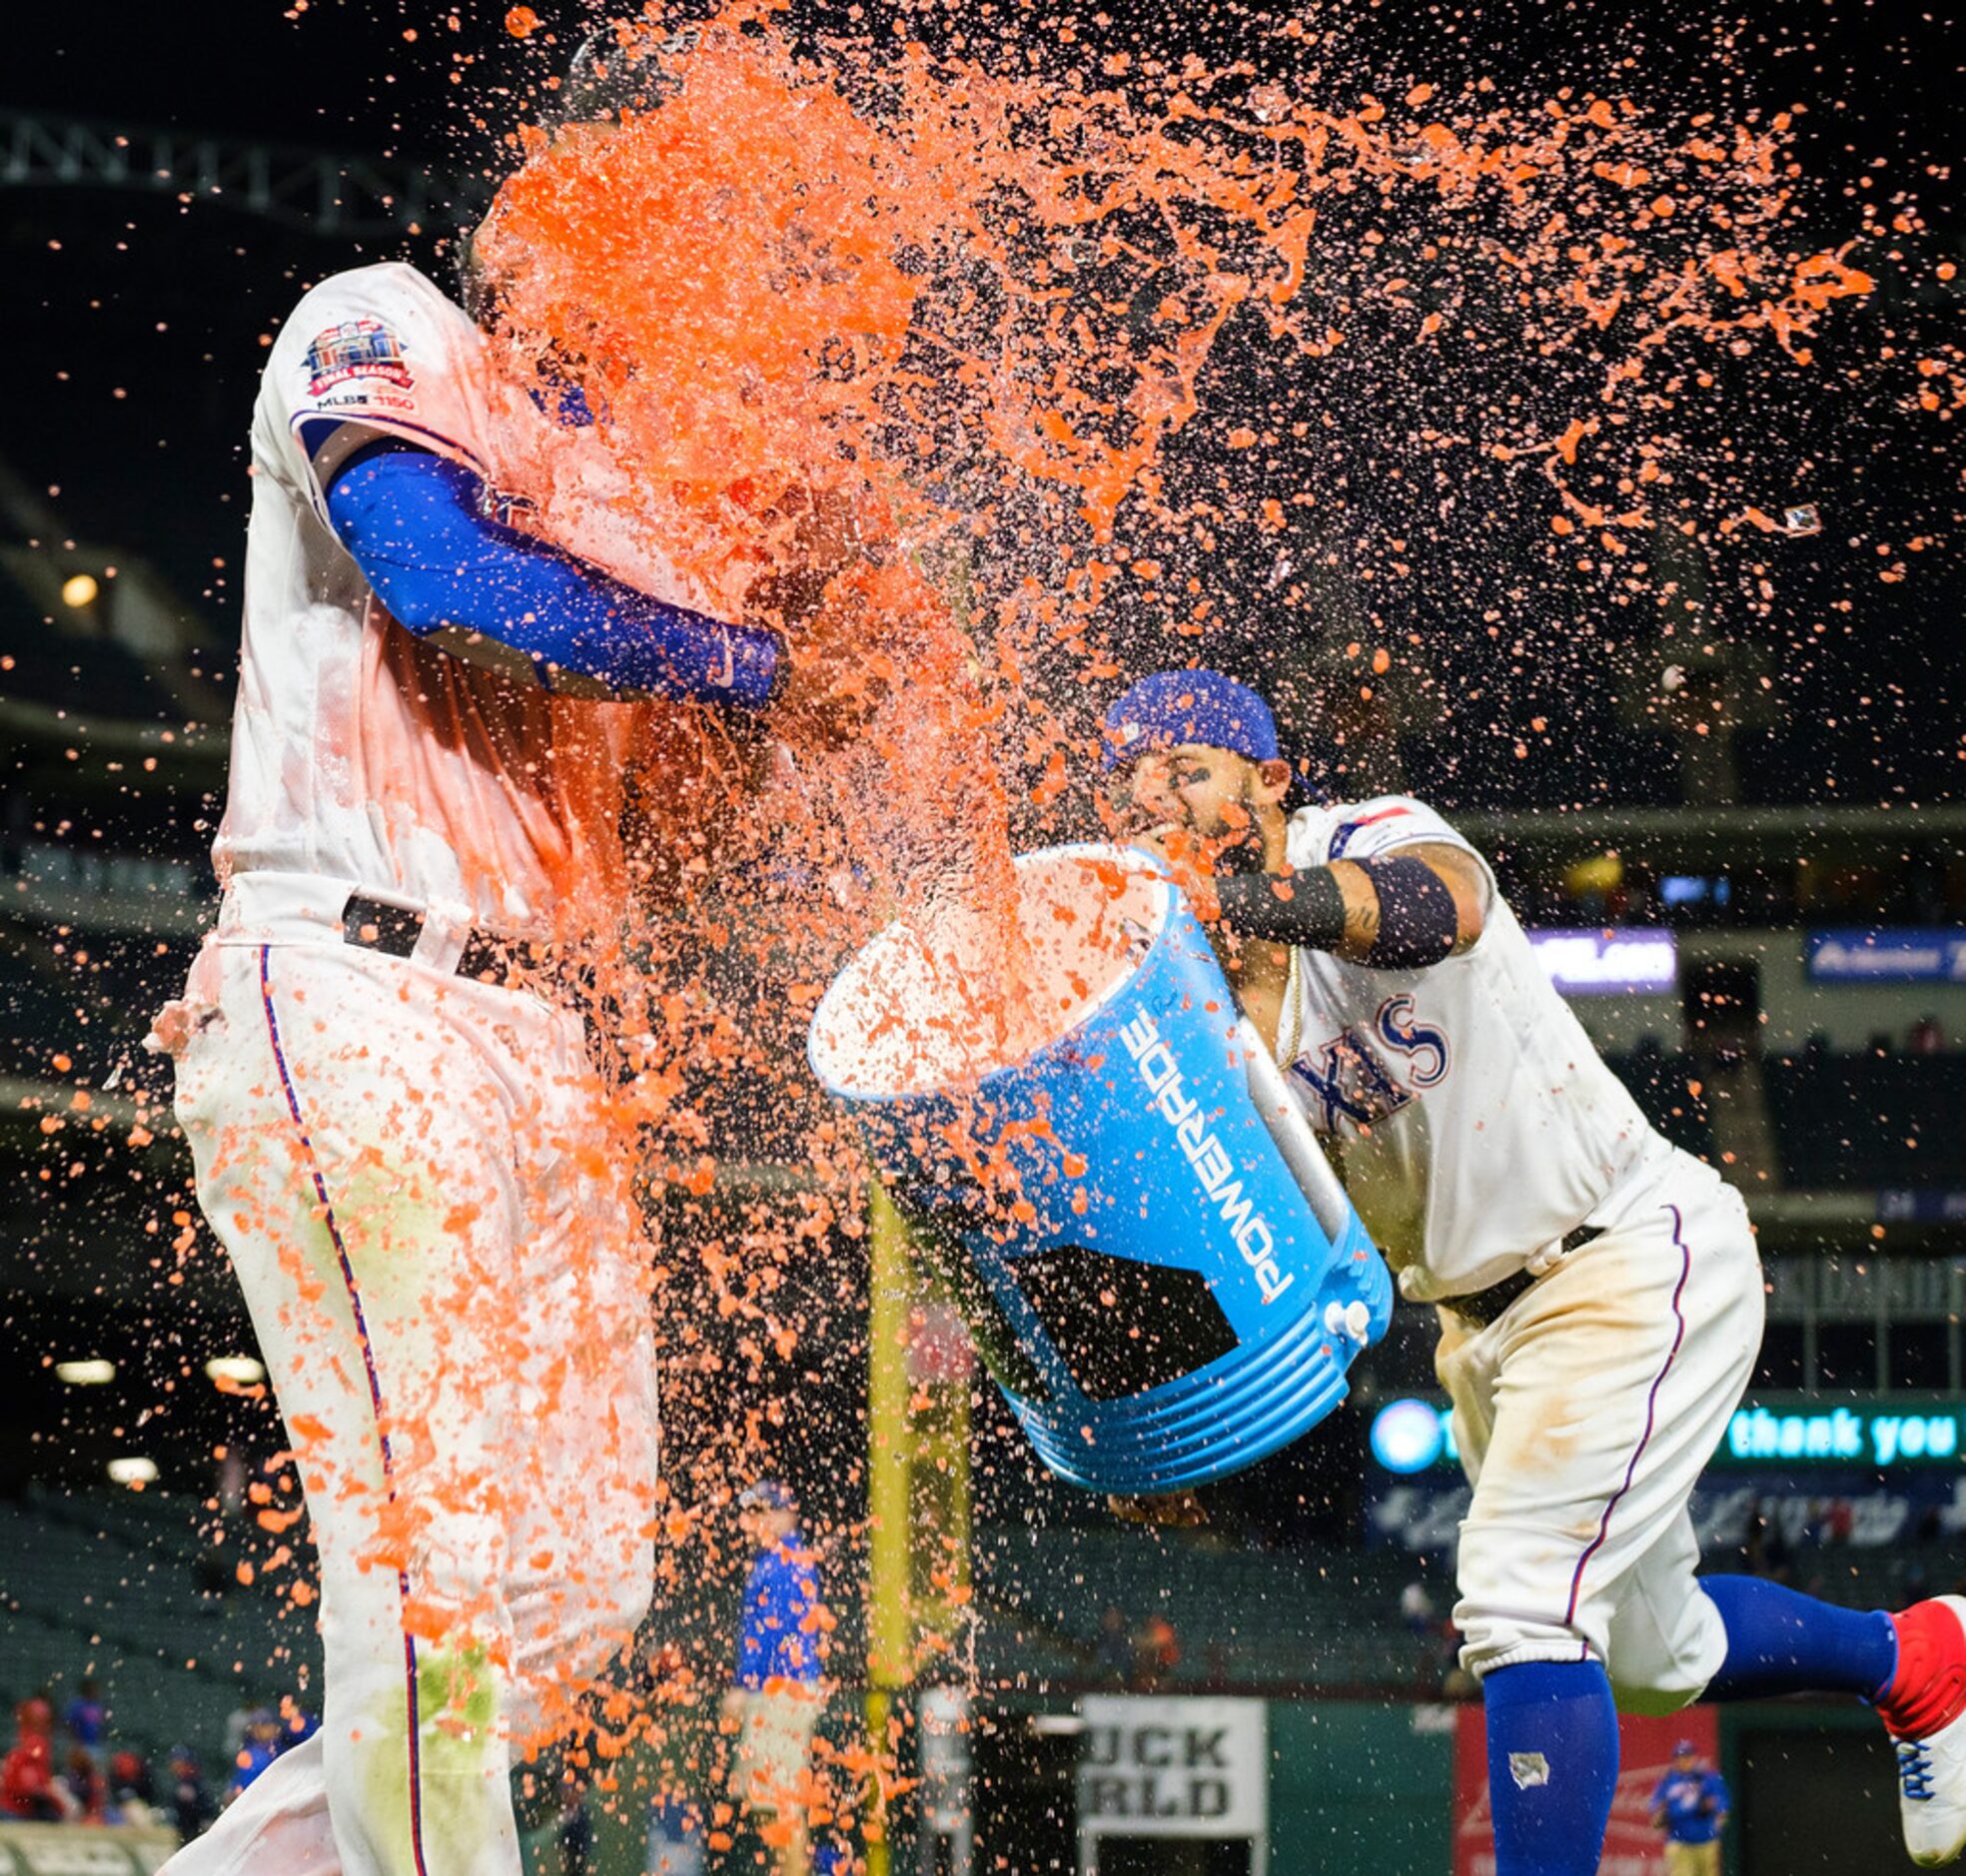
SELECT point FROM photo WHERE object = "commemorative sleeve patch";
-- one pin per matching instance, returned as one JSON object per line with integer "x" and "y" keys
{"x": 353, "y": 351}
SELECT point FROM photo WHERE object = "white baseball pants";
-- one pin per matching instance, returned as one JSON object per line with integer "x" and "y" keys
{"x": 413, "y": 1177}
{"x": 1585, "y": 1416}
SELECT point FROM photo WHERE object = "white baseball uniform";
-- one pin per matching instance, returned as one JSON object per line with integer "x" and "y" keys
{"x": 410, "y": 1169}
{"x": 1479, "y": 1128}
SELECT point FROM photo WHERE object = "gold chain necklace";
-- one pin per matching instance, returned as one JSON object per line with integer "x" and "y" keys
{"x": 1290, "y": 1021}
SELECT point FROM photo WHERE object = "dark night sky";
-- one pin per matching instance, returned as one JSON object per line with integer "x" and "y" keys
{"x": 133, "y": 326}
{"x": 341, "y": 74}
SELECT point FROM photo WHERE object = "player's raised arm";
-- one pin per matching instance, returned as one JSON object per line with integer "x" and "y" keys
{"x": 377, "y": 414}
{"x": 1404, "y": 911}
{"x": 417, "y": 525}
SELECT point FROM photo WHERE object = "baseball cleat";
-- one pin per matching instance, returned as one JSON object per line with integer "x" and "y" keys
{"x": 1925, "y": 1712}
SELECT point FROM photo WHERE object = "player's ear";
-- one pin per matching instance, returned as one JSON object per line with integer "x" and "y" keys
{"x": 1272, "y": 780}
{"x": 474, "y": 289}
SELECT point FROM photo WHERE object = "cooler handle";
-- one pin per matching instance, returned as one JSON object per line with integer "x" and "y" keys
{"x": 1292, "y": 1136}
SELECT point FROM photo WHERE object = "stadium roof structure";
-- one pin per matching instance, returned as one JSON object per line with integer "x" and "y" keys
{"x": 335, "y": 196}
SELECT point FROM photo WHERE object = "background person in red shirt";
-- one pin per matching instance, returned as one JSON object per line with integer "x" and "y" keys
{"x": 28, "y": 1787}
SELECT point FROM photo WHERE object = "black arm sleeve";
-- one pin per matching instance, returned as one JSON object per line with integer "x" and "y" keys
{"x": 1418, "y": 922}
{"x": 1255, "y": 905}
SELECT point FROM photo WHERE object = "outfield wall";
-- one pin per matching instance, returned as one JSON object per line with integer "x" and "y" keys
{"x": 1358, "y": 1788}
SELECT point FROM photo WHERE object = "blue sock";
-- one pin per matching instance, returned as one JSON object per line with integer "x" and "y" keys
{"x": 1781, "y": 1643}
{"x": 1553, "y": 1766}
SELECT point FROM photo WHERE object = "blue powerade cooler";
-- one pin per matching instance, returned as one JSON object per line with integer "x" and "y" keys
{"x": 1146, "y": 1239}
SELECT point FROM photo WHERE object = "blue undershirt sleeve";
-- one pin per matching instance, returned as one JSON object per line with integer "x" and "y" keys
{"x": 414, "y": 524}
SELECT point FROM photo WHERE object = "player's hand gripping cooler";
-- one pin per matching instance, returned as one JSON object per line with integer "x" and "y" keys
{"x": 1149, "y": 1246}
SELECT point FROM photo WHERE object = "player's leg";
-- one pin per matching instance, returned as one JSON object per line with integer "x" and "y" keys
{"x": 1551, "y": 1728}
{"x": 1589, "y": 1411}
{"x": 1779, "y": 1641}
{"x": 583, "y": 1503}
{"x": 1552, "y": 1765}
{"x": 279, "y": 1822}
{"x": 1769, "y": 1641}
{"x": 1675, "y": 1638}
{"x": 355, "y": 1154}
{"x": 1911, "y": 1666}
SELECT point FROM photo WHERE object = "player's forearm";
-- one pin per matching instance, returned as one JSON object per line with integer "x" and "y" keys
{"x": 414, "y": 523}
{"x": 1395, "y": 913}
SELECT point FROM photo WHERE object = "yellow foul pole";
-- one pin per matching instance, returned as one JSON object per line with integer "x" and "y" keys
{"x": 889, "y": 1457}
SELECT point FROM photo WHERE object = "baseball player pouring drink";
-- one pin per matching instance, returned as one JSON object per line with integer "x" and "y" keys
{"x": 1598, "y": 1291}
{"x": 399, "y": 1136}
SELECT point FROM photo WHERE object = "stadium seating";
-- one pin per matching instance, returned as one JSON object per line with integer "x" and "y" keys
{"x": 107, "y": 1585}
{"x": 1258, "y": 1620}
{"x": 1662, "y": 1083}
{"x": 1869, "y": 1119}
{"x": 1837, "y": 757}
{"x": 37, "y": 1016}
{"x": 53, "y": 1004}
{"x": 1595, "y": 764}
{"x": 64, "y": 670}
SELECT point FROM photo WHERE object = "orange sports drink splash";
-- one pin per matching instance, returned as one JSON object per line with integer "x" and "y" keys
{"x": 985, "y": 368}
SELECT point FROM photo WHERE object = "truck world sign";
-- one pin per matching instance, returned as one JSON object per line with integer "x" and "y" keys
{"x": 1151, "y": 1767}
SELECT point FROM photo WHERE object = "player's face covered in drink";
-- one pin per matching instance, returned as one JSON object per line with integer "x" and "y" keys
{"x": 482, "y": 288}
{"x": 1211, "y": 796}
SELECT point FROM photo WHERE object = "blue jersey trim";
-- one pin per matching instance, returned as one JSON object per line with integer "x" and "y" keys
{"x": 314, "y": 428}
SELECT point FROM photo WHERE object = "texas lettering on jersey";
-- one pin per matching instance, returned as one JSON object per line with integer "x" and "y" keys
{"x": 1367, "y": 1074}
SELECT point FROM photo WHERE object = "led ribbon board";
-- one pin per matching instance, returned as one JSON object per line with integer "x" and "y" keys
{"x": 1885, "y": 1434}
{"x": 1602, "y": 961}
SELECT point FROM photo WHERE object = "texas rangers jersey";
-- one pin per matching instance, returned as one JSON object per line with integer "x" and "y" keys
{"x": 1477, "y": 1122}
{"x": 357, "y": 751}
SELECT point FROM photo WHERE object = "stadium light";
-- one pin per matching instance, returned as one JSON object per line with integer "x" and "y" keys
{"x": 1408, "y": 1435}
{"x": 90, "y": 1371}
{"x": 241, "y": 1368}
{"x": 79, "y": 589}
{"x": 133, "y": 1471}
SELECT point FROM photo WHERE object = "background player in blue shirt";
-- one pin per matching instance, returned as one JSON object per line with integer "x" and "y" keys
{"x": 1692, "y": 1806}
{"x": 778, "y": 1697}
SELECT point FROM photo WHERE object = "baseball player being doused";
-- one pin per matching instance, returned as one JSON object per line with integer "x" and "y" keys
{"x": 398, "y": 1135}
{"x": 1598, "y": 1291}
